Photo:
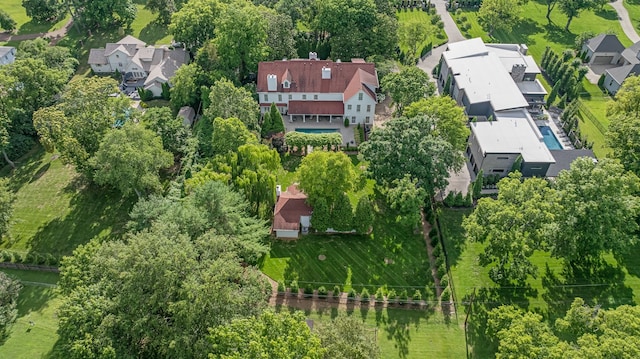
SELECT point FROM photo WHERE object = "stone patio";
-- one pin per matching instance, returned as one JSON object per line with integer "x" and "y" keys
{"x": 346, "y": 132}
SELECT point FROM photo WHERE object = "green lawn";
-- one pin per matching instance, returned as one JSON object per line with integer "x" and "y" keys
{"x": 359, "y": 260}
{"x": 403, "y": 333}
{"x": 437, "y": 37}
{"x": 596, "y": 101}
{"x": 24, "y": 23}
{"x": 633, "y": 7}
{"x": 550, "y": 294}
{"x": 55, "y": 208}
{"x": 37, "y": 304}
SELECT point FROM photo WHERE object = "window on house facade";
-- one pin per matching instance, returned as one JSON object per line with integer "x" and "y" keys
{"x": 360, "y": 96}
{"x": 353, "y": 119}
{"x": 348, "y": 107}
{"x": 368, "y": 108}
{"x": 290, "y": 97}
{"x": 279, "y": 97}
{"x": 266, "y": 97}
{"x": 117, "y": 56}
{"x": 304, "y": 97}
{"x": 315, "y": 97}
{"x": 120, "y": 64}
{"x": 358, "y": 108}
{"x": 286, "y": 84}
{"x": 497, "y": 171}
{"x": 367, "y": 119}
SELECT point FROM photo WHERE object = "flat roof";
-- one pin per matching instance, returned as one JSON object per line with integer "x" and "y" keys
{"x": 531, "y": 87}
{"x": 484, "y": 78}
{"x": 512, "y": 132}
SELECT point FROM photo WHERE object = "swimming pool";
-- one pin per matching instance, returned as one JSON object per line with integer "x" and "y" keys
{"x": 316, "y": 130}
{"x": 549, "y": 138}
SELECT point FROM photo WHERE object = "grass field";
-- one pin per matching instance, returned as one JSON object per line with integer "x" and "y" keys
{"x": 56, "y": 210}
{"x": 352, "y": 260}
{"x": 437, "y": 37}
{"x": 37, "y": 304}
{"x": 633, "y": 7}
{"x": 24, "y": 23}
{"x": 402, "y": 333}
{"x": 550, "y": 294}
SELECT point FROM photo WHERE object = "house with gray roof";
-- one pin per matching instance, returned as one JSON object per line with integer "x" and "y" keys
{"x": 141, "y": 65}
{"x": 7, "y": 55}
{"x": 603, "y": 49}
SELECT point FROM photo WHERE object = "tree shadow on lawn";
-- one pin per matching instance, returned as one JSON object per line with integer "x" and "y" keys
{"x": 607, "y": 13}
{"x": 558, "y": 34}
{"x": 485, "y": 300}
{"x": 600, "y": 283}
{"x": 452, "y": 233}
{"x": 152, "y": 32}
{"x": 631, "y": 260}
{"x": 521, "y": 33}
{"x": 93, "y": 212}
{"x": 34, "y": 299}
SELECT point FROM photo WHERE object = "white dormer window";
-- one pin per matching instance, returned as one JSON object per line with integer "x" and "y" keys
{"x": 286, "y": 84}
{"x": 360, "y": 96}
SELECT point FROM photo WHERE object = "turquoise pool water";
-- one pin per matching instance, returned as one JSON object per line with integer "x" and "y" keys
{"x": 316, "y": 130}
{"x": 549, "y": 138}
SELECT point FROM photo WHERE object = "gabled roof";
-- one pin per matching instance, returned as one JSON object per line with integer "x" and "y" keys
{"x": 605, "y": 43}
{"x": 96, "y": 56}
{"x": 619, "y": 74}
{"x": 290, "y": 206}
{"x": 306, "y": 75}
{"x": 167, "y": 68}
{"x": 631, "y": 53}
{"x": 5, "y": 50}
{"x": 362, "y": 80}
{"x": 131, "y": 40}
{"x": 129, "y": 49}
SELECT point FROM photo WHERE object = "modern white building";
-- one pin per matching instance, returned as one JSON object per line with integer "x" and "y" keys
{"x": 141, "y": 65}
{"x": 319, "y": 90}
{"x": 496, "y": 85}
{"x": 7, "y": 55}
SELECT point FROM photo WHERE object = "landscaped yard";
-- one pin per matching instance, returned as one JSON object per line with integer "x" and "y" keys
{"x": 56, "y": 210}
{"x": 633, "y": 7}
{"x": 24, "y": 23}
{"x": 437, "y": 37}
{"x": 551, "y": 293}
{"x": 534, "y": 31}
{"x": 393, "y": 256}
{"x": 406, "y": 333}
{"x": 37, "y": 304}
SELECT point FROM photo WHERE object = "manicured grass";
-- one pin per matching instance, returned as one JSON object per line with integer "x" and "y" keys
{"x": 56, "y": 209}
{"x": 406, "y": 334}
{"x": 437, "y": 37}
{"x": 596, "y": 102}
{"x": 25, "y": 25}
{"x": 353, "y": 260}
{"x": 37, "y": 304}
{"x": 633, "y": 7}
{"x": 551, "y": 293}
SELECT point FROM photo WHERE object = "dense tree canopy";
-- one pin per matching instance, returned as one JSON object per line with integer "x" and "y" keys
{"x": 227, "y": 100}
{"x": 513, "y": 226}
{"x": 129, "y": 160}
{"x": 164, "y": 8}
{"x": 9, "y": 290}
{"x": 6, "y": 22}
{"x": 451, "y": 121}
{"x": 326, "y": 175}
{"x": 407, "y": 199}
{"x": 7, "y": 197}
{"x": 270, "y": 335}
{"x": 195, "y": 22}
{"x": 411, "y": 34}
{"x": 103, "y": 14}
{"x": 44, "y": 10}
{"x": 623, "y": 137}
{"x": 627, "y": 100}
{"x": 229, "y": 134}
{"x": 409, "y": 146}
{"x": 77, "y": 124}
{"x": 499, "y": 14}
{"x": 280, "y": 42}
{"x": 346, "y": 337}
{"x": 409, "y": 85}
{"x": 155, "y": 295}
{"x": 172, "y": 131}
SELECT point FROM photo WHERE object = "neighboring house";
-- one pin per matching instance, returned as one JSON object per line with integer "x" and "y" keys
{"x": 140, "y": 65}
{"x": 607, "y": 50}
{"x": 292, "y": 213}
{"x": 188, "y": 115}
{"x": 7, "y": 55}
{"x": 603, "y": 49}
{"x": 319, "y": 90}
{"x": 496, "y": 85}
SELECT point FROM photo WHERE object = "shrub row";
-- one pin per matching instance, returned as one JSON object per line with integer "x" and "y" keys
{"x": 392, "y": 297}
{"x": 30, "y": 258}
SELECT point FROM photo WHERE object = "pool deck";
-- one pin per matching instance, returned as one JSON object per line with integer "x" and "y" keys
{"x": 346, "y": 132}
{"x": 553, "y": 122}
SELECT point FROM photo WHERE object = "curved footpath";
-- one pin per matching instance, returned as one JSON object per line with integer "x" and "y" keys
{"x": 625, "y": 21}
{"x": 54, "y": 36}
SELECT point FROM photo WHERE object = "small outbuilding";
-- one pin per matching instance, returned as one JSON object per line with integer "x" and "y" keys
{"x": 188, "y": 115}
{"x": 292, "y": 213}
{"x": 603, "y": 49}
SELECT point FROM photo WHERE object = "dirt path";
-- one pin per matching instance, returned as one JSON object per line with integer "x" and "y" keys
{"x": 54, "y": 36}
{"x": 426, "y": 228}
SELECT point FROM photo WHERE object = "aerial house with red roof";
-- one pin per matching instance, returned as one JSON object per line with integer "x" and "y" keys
{"x": 312, "y": 90}
{"x": 292, "y": 213}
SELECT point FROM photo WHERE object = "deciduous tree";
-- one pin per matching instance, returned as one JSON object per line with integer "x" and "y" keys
{"x": 321, "y": 219}
{"x": 451, "y": 122}
{"x": 499, "y": 14}
{"x": 6, "y": 22}
{"x": 409, "y": 146}
{"x": 622, "y": 135}
{"x": 513, "y": 226}
{"x": 170, "y": 128}
{"x": 627, "y": 100}
{"x": 346, "y": 337}
{"x": 129, "y": 160}
{"x": 363, "y": 217}
{"x": 407, "y": 86}
{"x": 572, "y": 8}
{"x": 229, "y": 134}
{"x": 9, "y": 290}
{"x": 186, "y": 88}
{"x": 280, "y": 42}
{"x": 342, "y": 213}
{"x": 270, "y": 335}
{"x": 411, "y": 34}
{"x": 326, "y": 175}
{"x": 407, "y": 199}
{"x": 195, "y": 22}
{"x": 164, "y": 8}
{"x": 43, "y": 10}
{"x": 229, "y": 101}
{"x": 6, "y": 207}
{"x": 103, "y": 14}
